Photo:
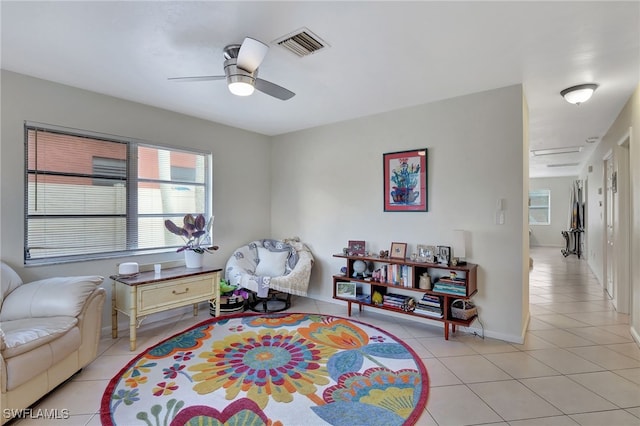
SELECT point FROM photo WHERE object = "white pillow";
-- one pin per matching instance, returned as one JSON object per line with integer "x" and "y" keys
{"x": 272, "y": 263}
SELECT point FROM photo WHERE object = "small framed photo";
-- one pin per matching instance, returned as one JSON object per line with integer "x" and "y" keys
{"x": 426, "y": 253}
{"x": 398, "y": 250}
{"x": 444, "y": 255}
{"x": 346, "y": 290}
{"x": 356, "y": 248}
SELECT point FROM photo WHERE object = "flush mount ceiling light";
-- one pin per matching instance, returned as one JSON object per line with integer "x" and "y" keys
{"x": 552, "y": 151}
{"x": 239, "y": 81}
{"x": 578, "y": 94}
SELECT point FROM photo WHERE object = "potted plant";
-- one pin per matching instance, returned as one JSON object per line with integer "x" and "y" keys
{"x": 195, "y": 232}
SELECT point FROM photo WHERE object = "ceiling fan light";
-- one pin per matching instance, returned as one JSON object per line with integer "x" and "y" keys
{"x": 241, "y": 88}
{"x": 579, "y": 94}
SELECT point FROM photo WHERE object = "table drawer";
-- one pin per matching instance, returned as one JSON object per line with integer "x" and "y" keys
{"x": 175, "y": 293}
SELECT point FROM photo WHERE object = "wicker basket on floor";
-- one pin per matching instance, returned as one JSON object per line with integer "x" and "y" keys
{"x": 463, "y": 309}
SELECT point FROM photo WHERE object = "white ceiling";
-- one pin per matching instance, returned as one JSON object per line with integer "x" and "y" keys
{"x": 382, "y": 56}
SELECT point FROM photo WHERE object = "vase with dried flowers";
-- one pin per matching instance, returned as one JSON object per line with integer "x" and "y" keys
{"x": 195, "y": 232}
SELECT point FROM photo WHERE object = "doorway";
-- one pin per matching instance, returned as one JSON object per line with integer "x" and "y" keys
{"x": 622, "y": 199}
{"x": 617, "y": 225}
{"x": 609, "y": 240}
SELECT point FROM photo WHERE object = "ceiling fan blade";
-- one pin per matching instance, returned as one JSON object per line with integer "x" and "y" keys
{"x": 273, "y": 89}
{"x": 251, "y": 54}
{"x": 197, "y": 78}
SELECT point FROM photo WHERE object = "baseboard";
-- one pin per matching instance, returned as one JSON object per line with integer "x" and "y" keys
{"x": 510, "y": 338}
{"x": 635, "y": 335}
{"x": 479, "y": 330}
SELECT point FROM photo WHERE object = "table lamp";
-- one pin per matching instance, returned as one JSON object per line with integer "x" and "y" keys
{"x": 459, "y": 245}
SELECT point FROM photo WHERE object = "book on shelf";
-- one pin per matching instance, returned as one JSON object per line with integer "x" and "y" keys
{"x": 407, "y": 274}
{"x": 428, "y": 311}
{"x": 450, "y": 286}
{"x": 428, "y": 314}
{"x": 452, "y": 292}
{"x": 450, "y": 289}
{"x": 428, "y": 305}
{"x": 431, "y": 298}
{"x": 453, "y": 280}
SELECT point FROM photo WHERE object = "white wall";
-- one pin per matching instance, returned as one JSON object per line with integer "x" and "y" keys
{"x": 629, "y": 118}
{"x": 323, "y": 184}
{"x": 241, "y": 176}
{"x": 327, "y": 189}
{"x": 560, "y": 187}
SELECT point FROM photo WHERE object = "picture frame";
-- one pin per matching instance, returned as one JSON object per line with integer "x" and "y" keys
{"x": 356, "y": 247}
{"x": 398, "y": 251}
{"x": 444, "y": 255}
{"x": 346, "y": 289}
{"x": 426, "y": 252}
{"x": 405, "y": 181}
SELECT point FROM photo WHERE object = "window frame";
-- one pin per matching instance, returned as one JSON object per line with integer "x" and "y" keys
{"x": 132, "y": 215}
{"x": 538, "y": 193}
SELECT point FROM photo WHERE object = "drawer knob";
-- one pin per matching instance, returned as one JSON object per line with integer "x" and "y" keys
{"x": 186, "y": 290}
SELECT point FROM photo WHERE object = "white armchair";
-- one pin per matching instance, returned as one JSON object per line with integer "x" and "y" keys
{"x": 272, "y": 270}
{"x": 49, "y": 330}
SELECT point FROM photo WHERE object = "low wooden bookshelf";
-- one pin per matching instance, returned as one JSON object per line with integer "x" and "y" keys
{"x": 448, "y": 284}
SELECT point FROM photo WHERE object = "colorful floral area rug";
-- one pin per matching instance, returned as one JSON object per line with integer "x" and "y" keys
{"x": 275, "y": 369}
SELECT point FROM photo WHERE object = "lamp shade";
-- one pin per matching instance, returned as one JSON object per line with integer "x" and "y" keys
{"x": 578, "y": 94}
{"x": 459, "y": 244}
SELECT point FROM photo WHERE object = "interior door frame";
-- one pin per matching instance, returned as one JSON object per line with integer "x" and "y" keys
{"x": 608, "y": 257}
{"x": 623, "y": 209}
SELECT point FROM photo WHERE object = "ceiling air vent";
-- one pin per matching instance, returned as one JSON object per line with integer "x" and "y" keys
{"x": 301, "y": 42}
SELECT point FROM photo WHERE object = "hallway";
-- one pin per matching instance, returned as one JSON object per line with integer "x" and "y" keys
{"x": 575, "y": 330}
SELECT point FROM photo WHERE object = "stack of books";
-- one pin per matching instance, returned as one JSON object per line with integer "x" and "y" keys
{"x": 401, "y": 275}
{"x": 396, "y": 301}
{"x": 429, "y": 306}
{"x": 455, "y": 286}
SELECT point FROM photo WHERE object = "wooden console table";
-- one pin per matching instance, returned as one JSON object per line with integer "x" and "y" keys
{"x": 147, "y": 293}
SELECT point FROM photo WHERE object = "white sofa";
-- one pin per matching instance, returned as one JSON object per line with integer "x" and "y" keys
{"x": 49, "y": 330}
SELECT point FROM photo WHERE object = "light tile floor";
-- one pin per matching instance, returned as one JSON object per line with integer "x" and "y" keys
{"x": 578, "y": 364}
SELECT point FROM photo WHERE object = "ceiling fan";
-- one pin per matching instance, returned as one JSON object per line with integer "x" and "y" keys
{"x": 241, "y": 71}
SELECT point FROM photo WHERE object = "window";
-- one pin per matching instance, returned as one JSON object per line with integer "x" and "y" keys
{"x": 540, "y": 207}
{"x": 91, "y": 195}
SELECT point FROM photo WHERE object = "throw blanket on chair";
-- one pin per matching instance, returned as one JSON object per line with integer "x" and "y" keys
{"x": 241, "y": 267}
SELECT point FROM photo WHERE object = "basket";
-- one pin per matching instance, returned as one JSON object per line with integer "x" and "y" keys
{"x": 228, "y": 304}
{"x": 463, "y": 309}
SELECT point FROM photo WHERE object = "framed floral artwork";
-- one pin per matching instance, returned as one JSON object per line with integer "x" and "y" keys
{"x": 356, "y": 248}
{"x": 405, "y": 181}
